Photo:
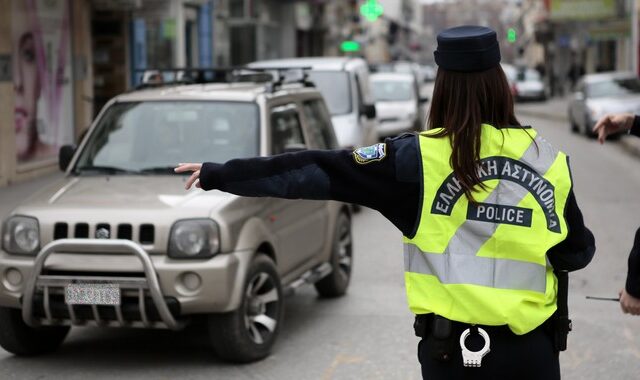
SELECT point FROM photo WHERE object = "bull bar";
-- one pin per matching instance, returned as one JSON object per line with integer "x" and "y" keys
{"x": 87, "y": 246}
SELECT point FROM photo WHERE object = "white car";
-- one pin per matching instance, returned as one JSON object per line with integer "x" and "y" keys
{"x": 344, "y": 83}
{"x": 528, "y": 85}
{"x": 599, "y": 94}
{"x": 397, "y": 103}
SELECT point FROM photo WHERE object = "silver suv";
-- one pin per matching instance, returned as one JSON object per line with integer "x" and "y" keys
{"x": 120, "y": 243}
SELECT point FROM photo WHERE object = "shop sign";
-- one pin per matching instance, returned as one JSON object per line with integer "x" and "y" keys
{"x": 582, "y": 9}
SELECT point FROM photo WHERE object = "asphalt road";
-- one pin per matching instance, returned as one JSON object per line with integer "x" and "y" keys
{"x": 368, "y": 333}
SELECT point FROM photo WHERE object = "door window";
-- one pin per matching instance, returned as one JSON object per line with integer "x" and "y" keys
{"x": 319, "y": 124}
{"x": 286, "y": 131}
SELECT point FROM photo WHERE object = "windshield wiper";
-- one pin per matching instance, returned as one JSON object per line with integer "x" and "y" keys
{"x": 158, "y": 170}
{"x": 104, "y": 169}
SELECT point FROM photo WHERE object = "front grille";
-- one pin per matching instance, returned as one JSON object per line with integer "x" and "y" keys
{"x": 147, "y": 234}
{"x": 82, "y": 230}
{"x": 125, "y": 231}
{"x": 60, "y": 231}
{"x": 131, "y": 309}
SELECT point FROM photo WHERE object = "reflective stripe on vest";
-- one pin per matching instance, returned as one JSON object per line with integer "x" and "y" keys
{"x": 464, "y": 251}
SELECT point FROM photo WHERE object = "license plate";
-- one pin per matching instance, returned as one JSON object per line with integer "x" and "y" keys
{"x": 92, "y": 294}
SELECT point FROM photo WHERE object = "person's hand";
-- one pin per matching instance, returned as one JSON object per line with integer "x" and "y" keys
{"x": 629, "y": 303}
{"x": 609, "y": 124}
{"x": 195, "y": 177}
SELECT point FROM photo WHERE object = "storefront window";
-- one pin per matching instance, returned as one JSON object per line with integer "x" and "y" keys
{"x": 160, "y": 37}
{"x": 41, "y": 60}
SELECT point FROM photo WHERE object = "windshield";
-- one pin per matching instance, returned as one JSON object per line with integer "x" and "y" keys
{"x": 614, "y": 87}
{"x": 156, "y": 136}
{"x": 392, "y": 90}
{"x": 334, "y": 86}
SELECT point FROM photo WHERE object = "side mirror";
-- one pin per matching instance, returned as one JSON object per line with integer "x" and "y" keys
{"x": 423, "y": 99}
{"x": 292, "y": 148}
{"x": 369, "y": 111}
{"x": 65, "y": 155}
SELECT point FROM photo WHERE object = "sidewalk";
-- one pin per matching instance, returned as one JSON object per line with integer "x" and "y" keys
{"x": 556, "y": 109}
{"x": 12, "y": 195}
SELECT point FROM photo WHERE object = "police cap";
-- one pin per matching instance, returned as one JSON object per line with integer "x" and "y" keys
{"x": 467, "y": 49}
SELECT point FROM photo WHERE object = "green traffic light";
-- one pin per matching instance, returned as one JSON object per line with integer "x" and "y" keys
{"x": 349, "y": 46}
{"x": 371, "y": 10}
{"x": 511, "y": 35}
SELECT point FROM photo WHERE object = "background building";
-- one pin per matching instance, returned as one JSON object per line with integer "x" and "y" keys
{"x": 62, "y": 60}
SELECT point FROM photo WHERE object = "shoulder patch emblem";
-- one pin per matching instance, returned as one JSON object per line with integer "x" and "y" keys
{"x": 371, "y": 153}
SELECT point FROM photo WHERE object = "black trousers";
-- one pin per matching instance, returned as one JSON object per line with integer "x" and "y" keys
{"x": 522, "y": 357}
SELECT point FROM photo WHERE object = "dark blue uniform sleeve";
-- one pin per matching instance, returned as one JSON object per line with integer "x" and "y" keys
{"x": 389, "y": 185}
{"x": 633, "y": 275}
{"x": 635, "y": 128}
{"x": 576, "y": 251}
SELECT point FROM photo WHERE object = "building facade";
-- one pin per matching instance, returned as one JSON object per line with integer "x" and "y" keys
{"x": 45, "y": 83}
{"x": 62, "y": 60}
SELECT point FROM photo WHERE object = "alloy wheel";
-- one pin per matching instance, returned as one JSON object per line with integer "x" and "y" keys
{"x": 261, "y": 308}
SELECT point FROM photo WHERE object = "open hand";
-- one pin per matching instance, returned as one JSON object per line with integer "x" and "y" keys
{"x": 610, "y": 124}
{"x": 629, "y": 303}
{"x": 195, "y": 177}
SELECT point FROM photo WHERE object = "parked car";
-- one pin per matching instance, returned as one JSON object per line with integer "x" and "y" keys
{"x": 344, "y": 82}
{"x": 397, "y": 103}
{"x": 120, "y": 243}
{"x": 599, "y": 94}
{"x": 428, "y": 73}
{"x": 406, "y": 67}
{"x": 528, "y": 85}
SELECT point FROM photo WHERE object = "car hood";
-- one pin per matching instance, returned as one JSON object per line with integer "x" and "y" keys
{"x": 124, "y": 193}
{"x": 395, "y": 109}
{"x": 618, "y": 104}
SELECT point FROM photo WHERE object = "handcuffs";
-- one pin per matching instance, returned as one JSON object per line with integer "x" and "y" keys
{"x": 474, "y": 358}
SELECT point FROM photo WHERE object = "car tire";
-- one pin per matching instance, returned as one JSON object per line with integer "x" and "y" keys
{"x": 336, "y": 283}
{"x": 587, "y": 129}
{"x": 248, "y": 333}
{"x": 574, "y": 127}
{"x": 23, "y": 340}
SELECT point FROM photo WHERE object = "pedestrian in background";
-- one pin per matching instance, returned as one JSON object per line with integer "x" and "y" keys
{"x": 630, "y": 294}
{"x": 486, "y": 207}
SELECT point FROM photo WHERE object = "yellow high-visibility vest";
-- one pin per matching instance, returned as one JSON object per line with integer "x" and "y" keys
{"x": 486, "y": 263}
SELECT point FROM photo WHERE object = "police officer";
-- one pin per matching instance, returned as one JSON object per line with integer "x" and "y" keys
{"x": 486, "y": 207}
{"x": 630, "y": 294}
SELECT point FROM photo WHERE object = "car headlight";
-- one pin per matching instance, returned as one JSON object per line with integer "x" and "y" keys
{"x": 21, "y": 235}
{"x": 194, "y": 239}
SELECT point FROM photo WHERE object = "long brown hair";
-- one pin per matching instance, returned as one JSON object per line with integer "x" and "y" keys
{"x": 461, "y": 103}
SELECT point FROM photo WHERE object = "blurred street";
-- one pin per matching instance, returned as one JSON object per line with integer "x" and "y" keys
{"x": 368, "y": 333}
{"x": 117, "y": 93}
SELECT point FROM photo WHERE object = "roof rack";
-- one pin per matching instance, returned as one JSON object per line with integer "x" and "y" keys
{"x": 273, "y": 77}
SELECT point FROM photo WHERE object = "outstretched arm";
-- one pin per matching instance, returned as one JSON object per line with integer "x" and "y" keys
{"x": 387, "y": 181}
